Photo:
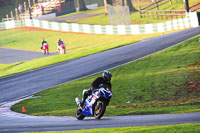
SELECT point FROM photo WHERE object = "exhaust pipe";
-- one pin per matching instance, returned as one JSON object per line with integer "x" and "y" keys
{"x": 77, "y": 101}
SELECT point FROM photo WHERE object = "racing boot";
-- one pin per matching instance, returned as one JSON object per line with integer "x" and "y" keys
{"x": 82, "y": 103}
{"x": 86, "y": 93}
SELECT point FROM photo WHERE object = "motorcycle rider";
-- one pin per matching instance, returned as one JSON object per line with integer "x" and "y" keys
{"x": 104, "y": 79}
{"x": 59, "y": 44}
{"x": 43, "y": 42}
{"x": 44, "y": 46}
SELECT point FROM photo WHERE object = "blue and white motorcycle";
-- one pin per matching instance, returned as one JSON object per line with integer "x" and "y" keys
{"x": 95, "y": 104}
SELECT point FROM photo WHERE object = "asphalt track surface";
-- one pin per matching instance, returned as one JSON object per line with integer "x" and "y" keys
{"x": 83, "y": 15}
{"x": 9, "y": 55}
{"x": 27, "y": 83}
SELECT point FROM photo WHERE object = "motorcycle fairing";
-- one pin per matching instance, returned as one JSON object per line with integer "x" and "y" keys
{"x": 105, "y": 94}
{"x": 88, "y": 104}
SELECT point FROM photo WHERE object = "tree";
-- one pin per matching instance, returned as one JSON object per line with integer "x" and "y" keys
{"x": 129, "y": 4}
{"x": 109, "y": 2}
{"x": 186, "y": 4}
{"x": 106, "y": 2}
{"x": 81, "y": 5}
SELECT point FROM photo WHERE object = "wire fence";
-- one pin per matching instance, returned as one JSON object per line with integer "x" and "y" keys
{"x": 163, "y": 14}
{"x": 119, "y": 15}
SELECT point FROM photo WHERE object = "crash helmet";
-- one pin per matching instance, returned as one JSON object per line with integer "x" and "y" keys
{"x": 59, "y": 39}
{"x": 43, "y": 40}
{"x": 107, "y": 75}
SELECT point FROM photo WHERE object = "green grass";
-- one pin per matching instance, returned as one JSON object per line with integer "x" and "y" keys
{"x": 78, "y": 45}
{"x": 155, "y": 84}
{"x": 24, "y": 39}
{"x": 135, "y": 17}
{"x": 180, "y": 128}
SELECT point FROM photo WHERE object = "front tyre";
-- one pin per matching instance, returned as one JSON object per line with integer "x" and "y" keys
{"x": 79, "y": 114}
{"x": 99, "y": 110}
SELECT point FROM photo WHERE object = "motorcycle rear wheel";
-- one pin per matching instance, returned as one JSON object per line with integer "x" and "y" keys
{"x": 99, "y": 110}
{"x": 79, "y": 114}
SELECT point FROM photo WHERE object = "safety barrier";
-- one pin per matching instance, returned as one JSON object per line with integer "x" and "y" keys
{"x": 190, "y": 21}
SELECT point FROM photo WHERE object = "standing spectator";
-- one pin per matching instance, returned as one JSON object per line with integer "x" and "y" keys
{"x": 42, "y": 8}
{"x": 30, "y": 12}
{"x": 20, "y": 8}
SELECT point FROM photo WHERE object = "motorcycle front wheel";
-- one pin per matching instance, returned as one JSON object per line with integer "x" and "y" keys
{"x": 100, "y": 109}
{"x": 79, "y": 114}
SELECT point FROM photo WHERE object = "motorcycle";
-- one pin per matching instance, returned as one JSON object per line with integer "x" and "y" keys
{"x": 45, "y": 48}
{"x": 95, "y": 104}
{"x": 62, "y": 49}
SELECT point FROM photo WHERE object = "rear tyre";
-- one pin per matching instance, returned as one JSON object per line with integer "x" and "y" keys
{"x": 79, "y": 114}
{"x": 99, "y": 110}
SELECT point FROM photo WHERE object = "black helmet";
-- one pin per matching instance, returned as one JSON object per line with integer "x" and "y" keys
{"x": 107, "y": 75}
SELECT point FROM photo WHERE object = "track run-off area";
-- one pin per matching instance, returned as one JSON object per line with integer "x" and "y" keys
{"x": 18, "y": 86}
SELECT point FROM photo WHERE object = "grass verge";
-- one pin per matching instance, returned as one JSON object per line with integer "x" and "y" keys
{"x": 165, "y": 82}
{"x": 78, "y": 45}
{"x": 135, "y": 16}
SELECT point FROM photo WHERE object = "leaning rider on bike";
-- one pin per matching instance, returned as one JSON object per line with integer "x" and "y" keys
{"x": 104, "y": 79}
{"x": 59, "y": 44}
{"x": 43, "y": 42}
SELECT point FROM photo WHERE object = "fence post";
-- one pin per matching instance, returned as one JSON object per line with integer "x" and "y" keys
{"x": 171, "y": 16}
{"x": 16, "y": 14}
{"x": 156, "y": 4}
{"x": 7, "y": 17}
{"x": 11, "y": 14}
{"x": 106, "y": 7}
{"x": 152, "y": 13}
{"x": 157, "y": 15}
{"x": 29, "y": 3}
{"x": 24, "y": 6}
{"x": 162, "y": 14}
{"x": 140, "y": 12}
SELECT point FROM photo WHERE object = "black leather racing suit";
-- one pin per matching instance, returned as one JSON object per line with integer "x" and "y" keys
{"x": 100, "y": 80}
{"x": 95, "y": 86}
